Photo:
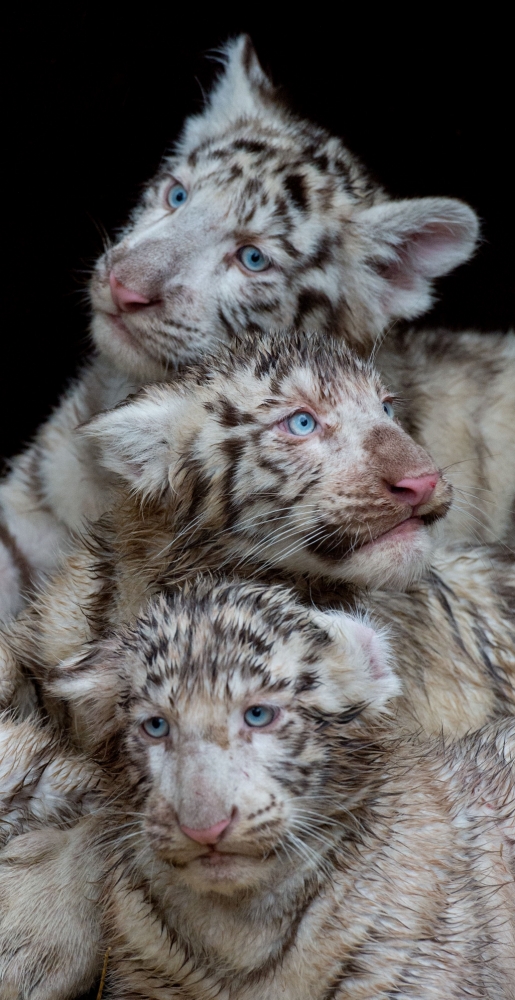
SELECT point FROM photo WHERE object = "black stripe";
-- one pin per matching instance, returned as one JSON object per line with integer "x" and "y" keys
{"x": 296, "y": 187}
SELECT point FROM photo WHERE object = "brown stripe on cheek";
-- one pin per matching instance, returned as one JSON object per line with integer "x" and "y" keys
{"x": 200, "y": 488}
{"x": 233, "y": 449}
{"x": 281, "y": 475}
{"x": 310, "y": 301}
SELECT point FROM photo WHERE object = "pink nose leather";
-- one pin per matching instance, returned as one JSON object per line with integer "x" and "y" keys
{"x": 208, "y": 836}
{"x": 124, "y": 297}
{"x": 416, "y": 491}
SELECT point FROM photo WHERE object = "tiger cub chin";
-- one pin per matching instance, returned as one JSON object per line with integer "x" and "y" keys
{"x": 277, "y": 838}
{"x": 285, "y": 467}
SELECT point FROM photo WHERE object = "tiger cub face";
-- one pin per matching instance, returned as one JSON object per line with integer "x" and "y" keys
{"x": 260, "y": 218}
{"x": 222, "y": 710}
{"x": 287, "y": 457}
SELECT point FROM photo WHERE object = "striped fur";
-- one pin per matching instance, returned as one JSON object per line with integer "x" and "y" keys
{"x": 354, "y": 865}
{"x": 316, "y": 504}
{"x": 212, "y": 485}
{"x": 343, "y": 257}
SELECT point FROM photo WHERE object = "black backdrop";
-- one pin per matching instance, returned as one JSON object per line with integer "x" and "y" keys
{"x": 94, "y": 98}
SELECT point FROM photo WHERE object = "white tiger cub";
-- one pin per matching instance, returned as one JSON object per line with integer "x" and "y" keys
{"x": 259, "y": 219}
{"x": 270, "y": 834}
{"x": 277, "y": 838}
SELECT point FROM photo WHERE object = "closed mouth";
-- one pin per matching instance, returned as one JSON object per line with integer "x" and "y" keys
{"x": 217, "y": 858}
{"x": 337, "y": 551}
{"x": 406, "y": 528}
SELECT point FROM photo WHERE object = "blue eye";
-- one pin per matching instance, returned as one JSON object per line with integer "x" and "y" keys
{"x": 388, "y": 409}
{"x": 301, "y": 423}
{"x": 176, "y": 196}
{"x": 259, "y": 716}
{"x": 253, "y": 259}
{"x": 156, "y": 727}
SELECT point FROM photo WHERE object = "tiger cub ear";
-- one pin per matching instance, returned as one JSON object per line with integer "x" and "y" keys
{"x": 141, "y": 439}
{"x": 358, "y": 669}
{"x": 402, "y": 246}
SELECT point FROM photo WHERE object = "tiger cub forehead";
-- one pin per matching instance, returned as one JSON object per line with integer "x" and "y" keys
{"x": 216, "y": 644}
{"x": 224, "y": 638}
{"x": 262, "y": 373}
{"x": 271, "y": 173}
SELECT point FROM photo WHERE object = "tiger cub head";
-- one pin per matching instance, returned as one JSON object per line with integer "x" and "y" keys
{"x": 261, "y": 218}
{"x": 287, "y": 452}
{"x": 228, "y": 715}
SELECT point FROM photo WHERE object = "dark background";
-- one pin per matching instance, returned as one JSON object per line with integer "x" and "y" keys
{"x": 93, "y": 99}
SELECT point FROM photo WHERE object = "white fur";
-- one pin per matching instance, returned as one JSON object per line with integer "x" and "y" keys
{"x": 385, "y": 257}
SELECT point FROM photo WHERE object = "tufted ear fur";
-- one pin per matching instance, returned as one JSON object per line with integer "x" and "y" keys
{"x": 359, "y": 669}
{"x": 239, "y": 93}
{"x": 405, "y": 245}
{"x": 141, "y": 440}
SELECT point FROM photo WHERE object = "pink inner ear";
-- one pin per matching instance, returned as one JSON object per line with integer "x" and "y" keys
{"x": 373, "y": 646}
{"x": 423, "y": 253}
{"x": 434, "y": 241}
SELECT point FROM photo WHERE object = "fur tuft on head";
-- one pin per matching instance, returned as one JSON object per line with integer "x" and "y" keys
{"x": 239, "y": 93}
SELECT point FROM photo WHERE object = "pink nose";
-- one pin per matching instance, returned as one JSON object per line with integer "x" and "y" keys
{"x": 416, "y": 491}
{"x": 208, "y": 836}
{"x": 124, "y": 298}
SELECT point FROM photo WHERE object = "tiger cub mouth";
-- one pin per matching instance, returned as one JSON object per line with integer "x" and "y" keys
{"x": 405, "y": 529}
